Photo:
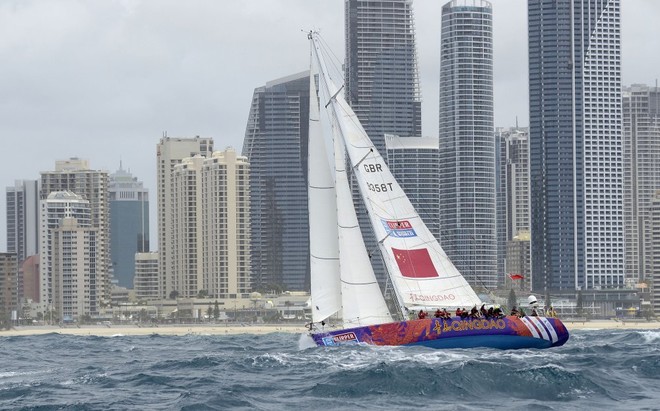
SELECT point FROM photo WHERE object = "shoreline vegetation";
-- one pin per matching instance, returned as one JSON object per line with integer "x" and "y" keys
{"x": 233, "y": 329}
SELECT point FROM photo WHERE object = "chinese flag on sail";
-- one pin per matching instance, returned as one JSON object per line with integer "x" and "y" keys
{"x": 415, "y": 263}
{"x": 516, "y": 276}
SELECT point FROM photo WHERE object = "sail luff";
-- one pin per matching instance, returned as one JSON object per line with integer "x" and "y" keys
{"x": 324, "y": 250}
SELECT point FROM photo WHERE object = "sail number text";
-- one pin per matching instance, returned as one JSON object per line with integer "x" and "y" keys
{"x": 380, "y": 187}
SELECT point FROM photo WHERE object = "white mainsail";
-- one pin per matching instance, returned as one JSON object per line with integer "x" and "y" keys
{"x": 323, "y": 247}
{"x": 420, "y": 271}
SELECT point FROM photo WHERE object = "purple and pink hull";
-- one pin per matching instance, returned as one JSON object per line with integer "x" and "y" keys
{"x": 504, "y": 333}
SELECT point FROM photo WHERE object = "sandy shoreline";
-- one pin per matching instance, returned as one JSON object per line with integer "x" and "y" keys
{"x": 183, "y": 329}
{"x": 207, "y": 329}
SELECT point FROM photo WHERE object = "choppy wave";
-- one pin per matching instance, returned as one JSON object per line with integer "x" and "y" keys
{"x": 599, "y": 369}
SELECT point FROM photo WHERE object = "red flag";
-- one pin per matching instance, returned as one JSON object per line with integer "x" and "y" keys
{"x": 516, "y": 276}
{"x": 415, "y": 263}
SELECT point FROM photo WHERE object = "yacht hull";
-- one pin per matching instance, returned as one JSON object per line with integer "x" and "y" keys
{"x": 509, "y": 332}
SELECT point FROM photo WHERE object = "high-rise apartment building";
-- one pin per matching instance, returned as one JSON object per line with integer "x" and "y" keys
{"x": 70, "y": 261}
{"x": 146, "y": 281}
{"x": 516, "y": 148}
{"x": 211, "y": 226}
{"x": 382, "y": 84}
{"x": 467, "y": 141}
{"x": 74, "y": 268}
{"x": 381, "y": 70}
{"x": 653, "y": 274}
{"x": 414, "y": 163}
{"x": 170, "y": 152}
{"x": 641, "y": 157}
{"x": 576, "y": 169}
{"x": 23, "y": 219}
{"x": 225, "y": 184}
{"x": 276, "y": 146}
{"x": 74, "y": 175}
{"x": 129, "y": 224}
{"x": 9, "y": 286}
{"x": 512, "y": 165}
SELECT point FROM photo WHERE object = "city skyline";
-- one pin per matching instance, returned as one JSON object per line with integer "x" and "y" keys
{"x": 145, "y": 72}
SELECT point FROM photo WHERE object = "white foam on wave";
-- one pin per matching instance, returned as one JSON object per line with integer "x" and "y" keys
{"x": 650, "y": 336}
{"x": 305, "y": 342}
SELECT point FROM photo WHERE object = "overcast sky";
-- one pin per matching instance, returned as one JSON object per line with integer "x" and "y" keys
{"x": 103, "y": 80}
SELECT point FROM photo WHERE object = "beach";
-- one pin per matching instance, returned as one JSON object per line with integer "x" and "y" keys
{"x": 260, "y": 329}
{"x": 178, "y": 329}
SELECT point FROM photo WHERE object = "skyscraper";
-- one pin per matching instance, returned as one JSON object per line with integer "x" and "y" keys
{"x": 276, "y": 146}
{"x": 129, "y": 224}
{"x": 9, "y": 285}
{"x": 170, "y": 151}
{"x": 146, "y": 282}
{"x": 70, "y": 264}
{"x": 382, "y": 83}
{"x": 75, "y": 176}
{"x": 513, "y": 204}
{"x": 225, "y": 184}
{"x": 23, "y": 219}
{"x": 516, "y": 144}
{"x": 381, "y": 73}
{"x": 576, "y": 170}
{"x": 414, "y": 163}
{"x": 641, "y": 156}
{"x": 653, "y": 273}
{"x": 210, "y": 247}
{"x": 467, "y": 141}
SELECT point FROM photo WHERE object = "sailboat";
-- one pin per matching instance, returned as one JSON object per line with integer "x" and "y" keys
{"x": 422, "y": 277}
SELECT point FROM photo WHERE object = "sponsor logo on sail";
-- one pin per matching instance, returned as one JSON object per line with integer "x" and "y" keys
{"x": 433, "y": 297}
{"x": 399, "y": 229}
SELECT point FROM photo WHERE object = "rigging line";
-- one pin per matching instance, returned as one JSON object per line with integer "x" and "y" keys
{"x": 363, "y": 158}
{"x": 333, "y": 96}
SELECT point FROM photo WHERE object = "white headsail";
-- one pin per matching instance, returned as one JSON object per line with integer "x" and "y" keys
{"x": 421, "y": 272}
{"x": 362, "y": 298}
{"x": 323, "y": 247}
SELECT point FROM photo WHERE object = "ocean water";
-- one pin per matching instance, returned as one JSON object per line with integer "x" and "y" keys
{"x": 596, "y": 369}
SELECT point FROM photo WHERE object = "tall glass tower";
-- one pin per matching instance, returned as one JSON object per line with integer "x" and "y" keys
{"x": 129, "y": 224}
{"x": 276, "y": 147}
{"x": 382, "y": 80}
{"x": 23, "y": 219}
{"x": 382, "y": 84}
{"x": 641, "y": 156}
{"x": 467, "y": 141}
{"x": 576, "y": 170}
